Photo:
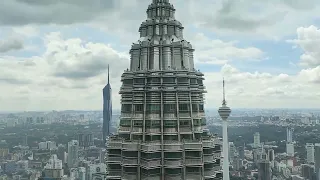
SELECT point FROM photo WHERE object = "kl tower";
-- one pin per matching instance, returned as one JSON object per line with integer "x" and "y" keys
{"x": 224, "y": 112}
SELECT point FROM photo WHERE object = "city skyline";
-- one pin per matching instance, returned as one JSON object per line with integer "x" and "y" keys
{"x": 51, "y": 62}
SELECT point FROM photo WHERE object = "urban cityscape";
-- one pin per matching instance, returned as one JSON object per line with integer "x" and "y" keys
{"x": 156, "y": 120}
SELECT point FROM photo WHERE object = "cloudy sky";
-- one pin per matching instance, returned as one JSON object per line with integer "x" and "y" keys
{"x": 54, "y": 53}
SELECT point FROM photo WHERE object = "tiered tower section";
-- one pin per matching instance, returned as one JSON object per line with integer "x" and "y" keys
{"x": 162, "y": 133}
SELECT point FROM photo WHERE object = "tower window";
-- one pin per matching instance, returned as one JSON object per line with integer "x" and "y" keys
{"x": 138, "y": 107}
{"x": 169, "y": 108}
{"x": 126, "y": 108}
{"x": 127, "y": 82}
{"x": 139, "y": 81}
{"x": 201, "y": 108}
{"x": 168, "y": 80}
{"x": 183, "y": 107}
{"x": 153, "y": 107}
{"x": 182, "y": 80}
{"x": 195, "y": 107}
{"x": 193, "y": 81}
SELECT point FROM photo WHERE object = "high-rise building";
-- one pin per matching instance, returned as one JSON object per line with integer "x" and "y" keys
{"x": 307, "y": 171}
{"x": 256, "y": 140}
{"x": 241, "y": 152}
{"x": 73, "y": 153}
{"x": 107, "y": 110}
{"x": 310, "y": 152}
{"x": 85, "y": 139}
{"x": 232, "y": 151}
{"x": 317, "y": 159}
{"x": 289, "y": 134}
{"x": 53, "y": 169}
{"x": 61, "y": 153}
{"x": 162, "y": 133}
{"x": 290, "y": 149}
{"x": 264, "y": 170}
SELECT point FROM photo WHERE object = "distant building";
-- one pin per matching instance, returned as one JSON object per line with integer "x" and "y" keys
{"x": 107, "y": 109}
{"x": 307, "y": 171}
{"x": 256, "y": 140}
{"x": 290, "y": 149}
{"x": 73, "y": 153}
{"x": 85, "y": 140}
{"x": 289, "y": 135}
{"x": 317, "y": 159}
{"x": 62, "y": 153}
{"x": 53, "y": 169}
{"x": 241, "y": 152}
{"x": 4, "y": 149}
{"x": 264, "y": 170}
{"x": 48, "y": 145}
{"x": 232, "y": 152}
{"x": 310, "y": 152}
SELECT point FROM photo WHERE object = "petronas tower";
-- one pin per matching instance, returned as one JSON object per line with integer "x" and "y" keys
{"x": 162, "y": 133}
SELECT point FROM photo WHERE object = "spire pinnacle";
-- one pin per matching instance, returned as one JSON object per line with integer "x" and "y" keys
{"x": 108, "y": 74}
{"x": 224, "y": 102}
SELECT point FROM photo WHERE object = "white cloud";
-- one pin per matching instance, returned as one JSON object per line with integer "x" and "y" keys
{"x": 69, "y": 75}
{"x": 308, "y": 39}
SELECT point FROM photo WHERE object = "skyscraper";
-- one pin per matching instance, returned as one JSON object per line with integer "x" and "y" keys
{"x": 317, "y": 159}
{"x": 310, "y": 152}
{"x": 73, "y": 153}
{"x": 289, "y": 135}
{"x": 264, "y": 170}
{"x": 224, "y": 112}
{"x": 107, "y": 109}
{"x": 256, "y": 140}
{"x": 162, "y": 133}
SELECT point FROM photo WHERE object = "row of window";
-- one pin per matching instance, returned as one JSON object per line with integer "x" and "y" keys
{"x": 141, "y": 81}
{"x": 166, "y": 107}
{"x": 137, "y": 137}
{"x": 166, "y": 123}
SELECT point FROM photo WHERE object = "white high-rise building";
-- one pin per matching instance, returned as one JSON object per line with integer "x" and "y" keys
{"x": 310, "y": 152}
{"x": 289, "y": 135}
{"x": 73, "y": 153}
{"x": 256, "y": 140}
{"x": 290, "y": 149}
{"x": 53, "y": 169}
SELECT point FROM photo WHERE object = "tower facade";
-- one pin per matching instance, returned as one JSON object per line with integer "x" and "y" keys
{"x": 162, "y": 133}
{"x": 107, "y": 110}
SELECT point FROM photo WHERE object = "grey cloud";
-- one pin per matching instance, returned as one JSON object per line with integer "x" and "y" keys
{"x": 91, "y": 66}
{"x": 22, "y": 12}
{"x": 10, "y": 45}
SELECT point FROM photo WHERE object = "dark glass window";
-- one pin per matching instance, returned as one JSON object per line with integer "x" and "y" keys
{"x": 183, "y": 107}
{"x": 138, "y": 107}
{"x": 195, "y": 107}
{"x": 201, "y": 108}
{"x": 169, "y": 108}
{"x": 168, "y": 80}
{"x": 193, "y": 81}
{"x": 127, "y": 82}
{"x": 139, "y": 81}
{"x": 126, "y": 108}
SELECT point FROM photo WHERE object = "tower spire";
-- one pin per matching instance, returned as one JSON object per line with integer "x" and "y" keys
{"x": 224, "y": 102}
{"x": 108, "y": 74}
